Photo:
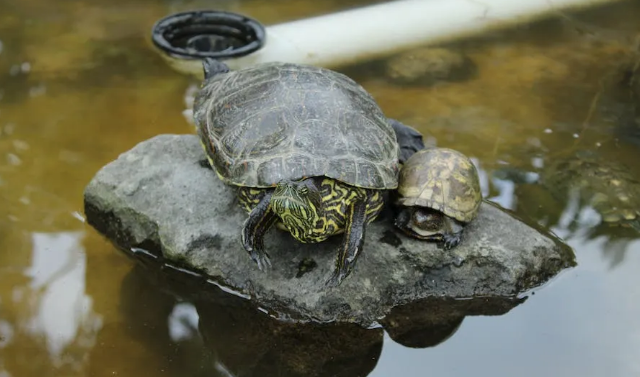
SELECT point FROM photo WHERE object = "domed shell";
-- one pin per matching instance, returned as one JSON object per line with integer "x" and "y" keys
{"x": 278, "y": 121}
{"x": 443, "y": 179}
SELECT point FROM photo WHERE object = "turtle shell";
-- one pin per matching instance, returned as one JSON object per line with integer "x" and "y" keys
{"x": 277, "y": 121}
{"x": 442, "y": 179}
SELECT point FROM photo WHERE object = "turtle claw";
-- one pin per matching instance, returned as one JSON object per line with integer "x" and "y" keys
{"x": 257, "y": 254}
{"x": 333, "y": 281}
{"x": 261, "y": 259}
{"x": 337, "y": 277}
{"x": 451, "y": 240}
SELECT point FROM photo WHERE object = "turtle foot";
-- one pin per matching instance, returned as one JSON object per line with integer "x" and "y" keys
{"x": 336, "y": 279}
{"x": 261, "y": 259}
{"x": 338, "y": 275}
{"x": 451, "y": 240}
{"x": 254, "y": 247}
{"x": 204, "y": 163}
{"x": 255, "y": 226}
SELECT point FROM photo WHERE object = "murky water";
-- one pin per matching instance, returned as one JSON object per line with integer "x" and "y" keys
{"x": 80, "y": 84}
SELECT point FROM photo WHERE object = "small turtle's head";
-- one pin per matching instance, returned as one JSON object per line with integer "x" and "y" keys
{"x": 299, "y": 206}
{"x": 420, "y": 222}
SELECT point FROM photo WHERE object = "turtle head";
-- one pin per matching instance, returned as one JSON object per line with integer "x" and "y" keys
{"x": 420, "y": 222}
{"x": 299, "y": 206}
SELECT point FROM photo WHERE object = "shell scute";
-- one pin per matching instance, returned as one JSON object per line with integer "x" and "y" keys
{"x": 442, "y": 179}
{"x": 285, "y": 121}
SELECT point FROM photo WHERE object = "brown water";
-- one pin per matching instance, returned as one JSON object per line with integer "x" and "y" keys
{"x": 80, "y": 84}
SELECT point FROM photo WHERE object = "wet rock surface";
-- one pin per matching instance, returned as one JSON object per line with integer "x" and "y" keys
{"x": 157, "y": 200}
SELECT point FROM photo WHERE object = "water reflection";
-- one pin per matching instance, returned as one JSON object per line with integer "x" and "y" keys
{"x": 64, "y": 313}
{"x": 575, "y": 203}
{"x": 163, "y": 324}
{"x": 247, "y": 342}
{"x": 239, "y": 339}
{"x": 431, "y": 322}
{"x": 47, "y": 309}
{"x": 180, "y": 315}
{"x": 79, "y": 84}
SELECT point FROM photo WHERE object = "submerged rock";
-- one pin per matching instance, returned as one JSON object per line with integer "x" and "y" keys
{"x": 429, "y": 65}
{"x": 583, "y": 178}
{"x": 159, "y": 200}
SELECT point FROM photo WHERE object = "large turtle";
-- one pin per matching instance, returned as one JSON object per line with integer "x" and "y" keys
{"x": 308, "y": 149}
{"x": 438, "y": 195}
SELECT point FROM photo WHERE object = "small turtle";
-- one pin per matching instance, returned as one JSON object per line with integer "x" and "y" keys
{"x": 308, "y": 148}
{"x": 438, "y": 195}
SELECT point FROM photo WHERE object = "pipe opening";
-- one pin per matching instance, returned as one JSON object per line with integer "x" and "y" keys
{"x": 212, "y": 34}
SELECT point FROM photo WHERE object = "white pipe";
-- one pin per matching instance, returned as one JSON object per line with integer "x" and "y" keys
{"x": 380, "y": 30}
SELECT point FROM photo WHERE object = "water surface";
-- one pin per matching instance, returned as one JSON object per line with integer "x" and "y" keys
{"x": 80, "y": 84}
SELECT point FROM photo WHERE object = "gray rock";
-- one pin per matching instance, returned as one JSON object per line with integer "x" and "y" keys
{"x": 158, "y": 197}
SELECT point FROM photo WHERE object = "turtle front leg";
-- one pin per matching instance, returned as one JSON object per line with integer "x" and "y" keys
{"x": 452, "y": 234}
{"x": 260, "y": 220}
{"x": 353, "y": 241}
